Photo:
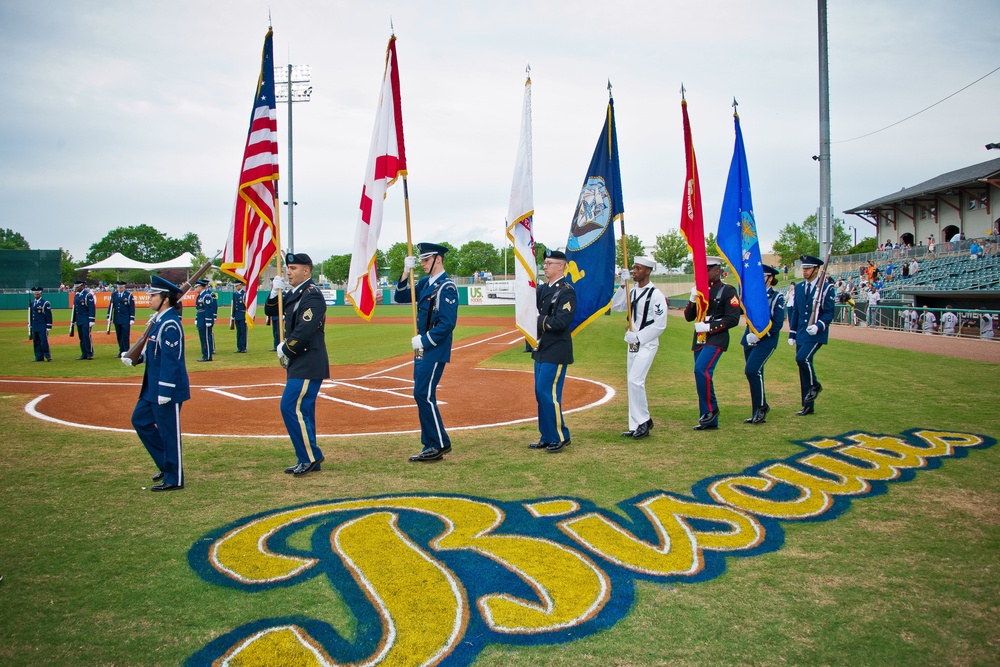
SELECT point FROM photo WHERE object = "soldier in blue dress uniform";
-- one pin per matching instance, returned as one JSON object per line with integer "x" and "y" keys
{"x": 722, "y": 315}
{"x": 757, "y": 350}
{"x": 84, "y": 314}
{"x": 240, "y": 318}
{"x": 303, "y": 354}
{"x": 157, "y": 414}
{"x": 556, "y": 302}
{"x": 206, "y": 308}
{"x": 437, "y": 313}
{"x": 39, "y": 324}
{"x": 121, "y": 313}
{"x": 806, "y": 337}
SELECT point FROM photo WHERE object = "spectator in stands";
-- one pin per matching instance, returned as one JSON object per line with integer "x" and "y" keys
{"x": 975, "y": 251}
{"x": 914, "y": 267}
{"x": 905, "y": 269}
{"x": 888, "y": 271}
{"x": 930, "y": 244}
{"x": 928, "y": 322}
{"x": 948, "y": 322}
{"x": 874, "y": 296}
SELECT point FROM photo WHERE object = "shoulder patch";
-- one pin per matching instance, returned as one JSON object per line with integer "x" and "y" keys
{"x": 308, "y": 315}
{"x": 734, "y": 301}
{"x": 568, "y": 306}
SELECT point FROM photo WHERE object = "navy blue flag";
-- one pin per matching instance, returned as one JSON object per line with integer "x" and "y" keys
{"x": 590, "y": 249}
{"x": 737, "y": 240}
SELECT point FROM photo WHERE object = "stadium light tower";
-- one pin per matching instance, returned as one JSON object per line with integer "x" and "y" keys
{"x": 291, "y": 84}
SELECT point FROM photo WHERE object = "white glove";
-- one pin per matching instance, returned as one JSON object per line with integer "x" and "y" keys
{"x": 208, "y": 325}
{"x": 624, "y": 276}
{"x": 281, "y": 352}
{"x": 694, "y": 295}
{"x": 162, "y": 400}
{"x": 278, "y": 285}
{"x": 126, "y": 361}
{"x": 702, "y": 327}
{"x": 631, "y": 337}
{"x": 417, "y": 343}
{"x": 812, "y": 329}
{"x": 752, "y": 339}
{"x": 409, "y": 263}
{"x": 791, "y": 341}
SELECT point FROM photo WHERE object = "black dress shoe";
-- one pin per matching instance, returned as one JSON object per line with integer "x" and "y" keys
{"x": 557, "y": 446}
{"x": 813, "y": 393}
{"x": 158, "y": 476}
{"x": 805, "y": 411}
{"x": 445, "y": 450}
{"x": 290, "y": 469}
{"x": 749, "y": 420}
{"x": 303, "y": 468}
{"x": 81, "y": 358}
{"x": 641, "y": 431}
{"x": 627, "y": 434}
{"x": 540, "y": 445}
{"x": 166, "y": 487}
{"x": 202, "y": 359}
{"x": 708, "y": 417}
{"x": 428, "y": 454}
{"x": 759, "y": 418}
{"x": 706, "y": 427}
{"x": 765, "y": 408}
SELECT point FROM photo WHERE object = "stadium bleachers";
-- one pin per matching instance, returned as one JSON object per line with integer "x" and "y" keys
{"x": 947, "y": 273}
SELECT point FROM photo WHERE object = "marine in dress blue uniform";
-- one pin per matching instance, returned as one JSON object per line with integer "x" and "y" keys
{"x": 437, "y": 313}
{"x": 121, "y": 313}
{"x": 722, "y": 315}
{"x": 240, "y": 319}
{"x": 206, "y": 308}
{"x": 757, "y": 350}
{"x": 303, "y": 354}
{"x": 84, "y": 314}
{"x": 39, "y": 324}
{"x": 556, "y": 302}
{"x": 808, "y": 338}
{"x": 157, "y": 414}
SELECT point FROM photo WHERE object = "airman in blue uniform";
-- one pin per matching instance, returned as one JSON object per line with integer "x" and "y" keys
{"x": 437, "y": 313}
{"x": 157, "y": 414}
{"x": 39, "y": 324}
{"x": 556, "y": 302}
{"x": 808, "y": 338}
{"x": 240, "y": 318}
{"x": 121, "y": 313}
{"x": 206, "y": 308}
{"x": 758, "y": 349}
{"x": 84, "y": 314}
{"x": 303, "y": 354}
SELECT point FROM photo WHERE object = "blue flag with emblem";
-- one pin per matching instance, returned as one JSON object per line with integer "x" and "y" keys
{"x": 737, "y": 240}
{"x": 590, "y": 249}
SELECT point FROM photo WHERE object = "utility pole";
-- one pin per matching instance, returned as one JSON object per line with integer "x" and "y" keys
{"x": 291, "y": 84}
{"x": 825, "y": 222}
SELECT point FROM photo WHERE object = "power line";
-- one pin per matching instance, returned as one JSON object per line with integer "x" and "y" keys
{"x": 844, "y": 141}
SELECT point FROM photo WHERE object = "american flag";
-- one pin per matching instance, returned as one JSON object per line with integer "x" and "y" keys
{"x": 253, "y": 236}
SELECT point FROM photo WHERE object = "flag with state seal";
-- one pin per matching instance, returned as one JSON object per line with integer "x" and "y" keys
{"x": 737, "y": 239}
{"x": 590, "y": 248}
{"x": 386, "y": 163}
{"x": 253, "y": 234}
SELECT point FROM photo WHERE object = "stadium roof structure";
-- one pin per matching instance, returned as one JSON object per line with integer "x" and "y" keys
{"x": 977, "y": 177}
{"x": 121, "y": 262}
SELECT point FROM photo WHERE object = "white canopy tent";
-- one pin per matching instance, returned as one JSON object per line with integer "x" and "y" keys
{"x": 121, "y": 262}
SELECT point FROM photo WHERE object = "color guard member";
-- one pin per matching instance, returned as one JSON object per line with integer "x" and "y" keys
{"x": 757, "y": 350}
{"x": 84, "y": 314}
{"x": 240, "y": 319}
{"x": 121, "y": 313}
{"x": 437, "y": 312}
{"x": 206, "y": 309}
{"x": 809, "y": 337}
{"x": 39, "y": 324}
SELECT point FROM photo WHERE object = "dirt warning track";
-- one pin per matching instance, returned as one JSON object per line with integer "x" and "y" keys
{"x": 369, "y": 399}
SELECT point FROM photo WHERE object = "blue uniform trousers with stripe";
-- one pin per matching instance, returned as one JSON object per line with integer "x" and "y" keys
{"x": 86, "y": 343}
{"x": 159, "y": 429}
{"x": 426, "y": 375}
{"x": 298, "y": 409}
{"x": 807, "y": 372}
{"x": 207, "y": 339}
{"x": 705, "y": 360}
{"x": 756, "y": 356}
{"x": 40, "y": 341}
{"x": 549, "y": 380}
{"x": 241, "y": 335}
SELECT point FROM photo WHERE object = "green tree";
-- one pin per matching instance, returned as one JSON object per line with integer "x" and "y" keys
{"x": 671, "y": 249}
{"x": 540, "y": 249}
{"x": 338, "y": 268}
{"x": 476, "y": 256}
{"x": 711, "y": 246}
{"x": 794, "y": 240}
{"x": 143, "y": 243}
{"x": 381, "y": 261}
{"x": 394, "y": 258}
{"x": 451, "y": 259}
{"x": 865, "y": 245}
{"x": 634, "y": 245}
{"x": 67, "y": 268}
{"x": 11, "y": 240}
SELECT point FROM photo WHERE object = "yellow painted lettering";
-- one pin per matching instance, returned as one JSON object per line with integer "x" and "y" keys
{"x": 945, "y": 442}
{"x": 730, "y": 491}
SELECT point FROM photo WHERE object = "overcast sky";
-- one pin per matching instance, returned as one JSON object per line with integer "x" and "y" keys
{"x": 127, "y": 112}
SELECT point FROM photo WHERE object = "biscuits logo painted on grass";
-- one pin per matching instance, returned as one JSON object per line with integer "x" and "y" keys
{"x": 434, "y": 579}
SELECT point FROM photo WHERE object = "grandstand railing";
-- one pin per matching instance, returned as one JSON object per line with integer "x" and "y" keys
{"x": 892, "y": 318}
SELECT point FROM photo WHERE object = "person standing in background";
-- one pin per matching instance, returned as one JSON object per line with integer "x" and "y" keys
{"x": 39, "y": 324}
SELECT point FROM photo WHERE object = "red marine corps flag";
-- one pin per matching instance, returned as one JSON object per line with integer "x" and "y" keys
{"x": 386, "y": 162}
{"x": 692, "y": 222}
{"x": 253, "y": 235}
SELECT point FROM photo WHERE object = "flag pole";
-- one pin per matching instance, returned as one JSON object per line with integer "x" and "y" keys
{"x": 409, "y": 252}
{"x": 621, "y": 220}
{"x": 279, "y": 259}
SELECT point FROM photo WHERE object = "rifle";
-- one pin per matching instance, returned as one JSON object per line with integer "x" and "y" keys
{"x": 135, "y": 351}
{"x": 31, "y": 305}
{"x": 72, "y": 318}
{"x": 820, "y": 284}
{"x": 111, "y": 305}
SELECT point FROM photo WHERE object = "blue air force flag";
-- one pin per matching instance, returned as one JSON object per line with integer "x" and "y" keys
{"x": 737, "y": 240}
{"x": 590, "y": 249}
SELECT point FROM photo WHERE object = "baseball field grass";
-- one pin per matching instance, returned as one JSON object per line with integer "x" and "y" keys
{"x": 98, "y": 571}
